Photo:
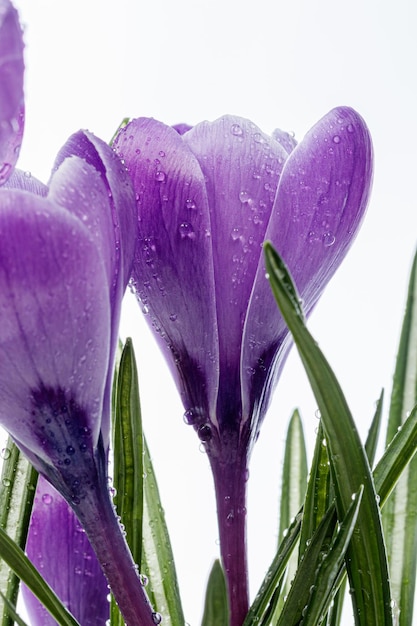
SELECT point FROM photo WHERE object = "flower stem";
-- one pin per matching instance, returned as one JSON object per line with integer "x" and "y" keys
{"x": 230, "y": 478}
{"x": 106, "y": 537}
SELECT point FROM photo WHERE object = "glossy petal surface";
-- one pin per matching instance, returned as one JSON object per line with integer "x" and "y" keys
{"x": 54, "y": 329}
{"x": 320, "y": 203}
{"x": 58, "y": 547}
{"x": 11, "y": 89}
{"x": 173, "y": 269}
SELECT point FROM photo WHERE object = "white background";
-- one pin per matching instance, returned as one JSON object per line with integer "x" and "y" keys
{"x": 92, "y": 62}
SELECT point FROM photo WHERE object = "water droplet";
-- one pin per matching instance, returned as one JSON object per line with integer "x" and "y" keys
{"x": 156, "y": 618}
{"x": 5, "y": 453}
{"x": 244, "y": 197}
{"x": 328, "y": 239}
{"x": 173, "y": 317}
{"x": 236, "y": 130}
{"x": 205, "y": 433}
{"x": 6, "y": 482}
{"x": 350, "y": 128}
{"x": 160, "y": 176}
{"x": 70, "y": 450}
{"x": 47, "y": 498}
{"x": 189, "y": 417}
{"x": 186, "y": 231}
{"x": 143, "y": 580}
{"x": 190, "y": 204}
{"x": 236, "y": 234}
{"x": 257, "y": 137}
{"x": 28, "y": 174}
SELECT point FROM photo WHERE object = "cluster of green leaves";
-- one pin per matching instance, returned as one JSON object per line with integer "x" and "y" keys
{"x": 348, "y": 523}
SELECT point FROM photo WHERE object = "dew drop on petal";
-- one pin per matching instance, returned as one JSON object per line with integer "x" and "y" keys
{"x": 47, "y": 498}
{"x": 328, "y": 239}
{"x": 205, "y": 433}
{"x": 190, "y": 204}
{"x": 156, "y": 618}
{"x": 160, "y": 176}
{"x": 350, "y": 128}
{"x": 189, "y": 417}
{"x": 236, "y": 130}
{"x": 336, "y": 139}
{"x": 186, "y": 231}
{"x": 244, "y": 197}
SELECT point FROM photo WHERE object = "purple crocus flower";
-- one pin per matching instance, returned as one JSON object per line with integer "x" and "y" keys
{"x": 59, "y": 548}
{"x": 66, "y": 252}
{"x": 207, "y": 197}
{"x": 65, "y": 258}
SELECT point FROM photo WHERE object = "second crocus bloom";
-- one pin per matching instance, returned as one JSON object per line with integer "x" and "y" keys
{"x": 207, "y": 198}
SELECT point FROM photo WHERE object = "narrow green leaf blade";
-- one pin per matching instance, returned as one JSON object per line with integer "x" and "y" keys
{"x": 374, "y": 430}
{"x": 400, "y": 513}
{"x": 328, "y": 573}
{"x": 366, "y": 562}
{"x": 275, "y": 573}
{"x": 128, "y": 457}
{"x": 317, "y": 499}
{"x": 305, "y": 577}
{"x": 294, "y": 484}
{"x": 157, "y": 557}
{"x": 17, "y": 491}
{"x": 216, "y": 608}
{"x": 23, "y": 568}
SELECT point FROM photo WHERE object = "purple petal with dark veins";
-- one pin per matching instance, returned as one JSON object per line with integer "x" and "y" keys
{"x": 173, "y": 270}
{"x": 320, "y": 203}
{"x": 58, "y": 547}
{"x": 241, "y": 166}
{"x": 91, "y": 182}
{"x": 54, "y": 330}
{"x": 11, "y": 89}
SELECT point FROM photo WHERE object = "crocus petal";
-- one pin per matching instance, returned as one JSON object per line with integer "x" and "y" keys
{"x": 58, "y": 547}
{"x": 54, "y": 333}
{"x": 11, "y": 88}
{"x": 241, "y": 166}
{"x": 26, "y": 182}
{"x": 320, "y": 203}
{"x": 91, "y": 182}
{"x": 173, "y": 269}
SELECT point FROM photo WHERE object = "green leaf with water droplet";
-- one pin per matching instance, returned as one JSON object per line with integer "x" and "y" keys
{"x": 293, "y": 490}
{"x": 128, "y": 457}
{"x": 274, "y": 574}
{"x": 12, "y": 611}
{"x": 17, "y": 491}
{"x": 366, "y": 563}
{"x": 157, "y": 558}
{"x": 328, "y": 572}
{"x": 400, "y": 513}
{"x": 216, "y": 608}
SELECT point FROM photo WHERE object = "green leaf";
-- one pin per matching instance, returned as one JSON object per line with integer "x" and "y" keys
{"x": 294, "y": 484}
{"x": 216, "y": 608}
{"x": 23, "y": 568}
{"x": 328, "y": 572}
{"x": 17, "y": 491}
{"x": 128, "y": 452}
{"x": 306, "y": 576}
{"x": 275, "y": 573}
{"x": 12, "y": 610}
{"x": 128, "y": 458}
{"x": 366, "y": 562}
{"x": 157, "y": 557}
{"x": 318, "y": 497}
{"x": 373, "y": 433}
{"x": 400, "y": 513}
